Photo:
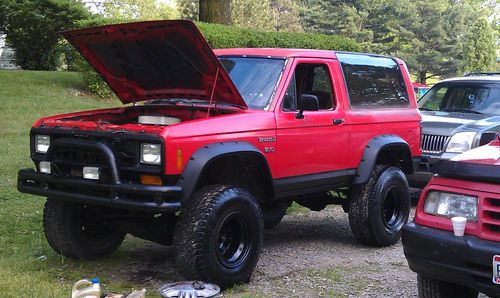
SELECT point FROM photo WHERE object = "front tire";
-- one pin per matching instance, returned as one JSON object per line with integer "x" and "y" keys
{"x": 432, "y": 288}
{"x": 218, "y": 237}
{"x": 75, "y": 231}
{"x": 379, "y": 209}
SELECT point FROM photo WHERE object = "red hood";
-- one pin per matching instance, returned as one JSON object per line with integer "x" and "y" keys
{"x": 155, "y": 60}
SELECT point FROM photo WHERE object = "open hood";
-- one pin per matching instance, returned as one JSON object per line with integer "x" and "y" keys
{"x": 156, "y": 60}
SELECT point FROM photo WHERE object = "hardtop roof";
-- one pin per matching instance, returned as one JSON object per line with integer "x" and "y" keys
{"x": 288, "y": 53}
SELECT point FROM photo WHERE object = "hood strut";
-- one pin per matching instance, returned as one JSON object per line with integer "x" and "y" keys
{"x": 213, "y": 91}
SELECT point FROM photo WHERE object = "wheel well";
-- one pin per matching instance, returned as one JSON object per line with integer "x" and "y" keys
{"x": 396, "y": 155}
{"x": 247, "y": 170}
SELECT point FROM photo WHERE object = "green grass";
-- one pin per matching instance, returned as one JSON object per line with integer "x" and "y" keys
{"x": 28, "y": 267}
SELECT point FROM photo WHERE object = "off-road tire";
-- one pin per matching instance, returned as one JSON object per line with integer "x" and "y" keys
{"x": 379, "y": 209}
{"x": 432, "y": 288}
{"x": 73, "y": 233}
{"x": 273, "y": 213}
{"x": 201, "y": 230}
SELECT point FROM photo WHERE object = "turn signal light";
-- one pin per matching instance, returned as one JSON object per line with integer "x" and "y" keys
{"x": 152, "y": 180}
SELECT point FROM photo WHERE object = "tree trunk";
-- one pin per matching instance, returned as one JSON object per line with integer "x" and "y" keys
{"x": 422, "y": 77}
{"x": 215, "y": 11}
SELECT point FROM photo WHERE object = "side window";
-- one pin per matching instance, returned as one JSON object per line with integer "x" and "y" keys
{"x": 311, "y": 79}
{"x": 373, "y": 81}
{"x": 434, "y": 99}
{"x": 290, "y": 100}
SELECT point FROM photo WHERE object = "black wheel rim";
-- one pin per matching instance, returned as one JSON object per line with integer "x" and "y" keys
{"x": 393, "y": 215}
{"x": 233, "y": 241}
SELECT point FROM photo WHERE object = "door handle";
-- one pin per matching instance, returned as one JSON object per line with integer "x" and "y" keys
{"x": 338, "y": 121}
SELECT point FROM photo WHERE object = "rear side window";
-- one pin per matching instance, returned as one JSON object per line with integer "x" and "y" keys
{"x": 373, "y": 81}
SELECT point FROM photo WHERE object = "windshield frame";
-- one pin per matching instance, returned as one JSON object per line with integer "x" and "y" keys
{"x": 462, "y": 84}
{"x": 275, "y": 87}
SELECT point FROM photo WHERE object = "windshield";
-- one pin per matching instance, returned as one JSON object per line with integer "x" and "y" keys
{"x": 255, "y": 78}
{"x": 477, "y": 99}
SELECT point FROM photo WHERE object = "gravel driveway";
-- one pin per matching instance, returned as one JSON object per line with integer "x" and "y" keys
{"x": 314, "y": 254}
{"x": 309, "y": 254}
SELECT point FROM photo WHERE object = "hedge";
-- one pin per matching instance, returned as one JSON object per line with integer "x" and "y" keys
{"x": 222, "y": 36}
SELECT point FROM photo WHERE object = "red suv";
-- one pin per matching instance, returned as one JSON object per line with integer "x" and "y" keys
{"x": 447, "y": 265}
{"x": 215, "y": 146}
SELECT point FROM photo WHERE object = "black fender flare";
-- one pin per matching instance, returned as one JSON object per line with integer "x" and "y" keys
{"x": 371, "y": 153}
{"x": 201, "y": 158}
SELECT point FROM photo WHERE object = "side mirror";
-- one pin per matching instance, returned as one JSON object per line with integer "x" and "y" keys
{"x": 307, "y": 102}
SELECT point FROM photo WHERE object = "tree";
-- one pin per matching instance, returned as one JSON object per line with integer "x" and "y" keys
{"x": 215, "y": 11}
{"x": 32, "y": 25}
{"x": 428, "y": 34}
{"x": 138, "y": 10}
{"x": 188, "y": 9}
{"x": 479, "y": 47}
{"x": 254, "y": 14}
{"x": 286, "y": 15}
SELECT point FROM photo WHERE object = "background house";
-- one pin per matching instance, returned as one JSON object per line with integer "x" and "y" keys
{"x": 6, "y": 54}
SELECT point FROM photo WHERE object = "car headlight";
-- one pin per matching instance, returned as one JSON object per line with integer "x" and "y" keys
{"x": 151, "y": 154}
{"x": 461, "y": 142}
{"x": 42, "y": 143}
{"x": 450, "y": 205}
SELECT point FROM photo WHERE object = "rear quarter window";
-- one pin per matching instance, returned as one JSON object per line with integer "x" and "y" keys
{"x": 373, "y": 82}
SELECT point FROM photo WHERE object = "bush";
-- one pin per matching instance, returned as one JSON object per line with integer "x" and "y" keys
{"x": 32, "y": 26}
{"x": 222, "y": 36}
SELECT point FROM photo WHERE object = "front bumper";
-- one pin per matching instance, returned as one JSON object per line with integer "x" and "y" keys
{"x": 465, "y": 261}
{"x": 120, "y": 195}
{"x": 424, "y": 168}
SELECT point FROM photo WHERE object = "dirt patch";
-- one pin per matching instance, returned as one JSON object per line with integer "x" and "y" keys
{"x": 307, "y": 254}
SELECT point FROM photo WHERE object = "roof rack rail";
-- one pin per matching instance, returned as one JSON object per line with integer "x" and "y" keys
{"x": 469, "y": 74}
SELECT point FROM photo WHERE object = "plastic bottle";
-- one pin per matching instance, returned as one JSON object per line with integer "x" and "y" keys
{"x": 86, "y": 289}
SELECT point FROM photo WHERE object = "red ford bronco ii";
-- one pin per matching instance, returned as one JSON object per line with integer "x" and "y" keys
{"x": 450, "y": 266}
{"x": 215, "y": 146}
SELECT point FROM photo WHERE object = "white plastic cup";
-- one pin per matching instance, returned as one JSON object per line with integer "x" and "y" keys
{"x": 458, "y": 223}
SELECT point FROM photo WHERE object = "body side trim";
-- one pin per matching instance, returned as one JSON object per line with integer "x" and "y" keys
{"x": 304, "y": 184}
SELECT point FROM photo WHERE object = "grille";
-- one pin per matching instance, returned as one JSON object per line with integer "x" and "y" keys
{"x": 126, "y": 152}
{"x": 491, "y": 218}
{"x": 434, "y": 143}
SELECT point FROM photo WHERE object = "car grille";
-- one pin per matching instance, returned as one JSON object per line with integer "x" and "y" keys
{"x": 490, "y": 228}
{"x": 434, "y": 143}
{"x": 125, "y": 151}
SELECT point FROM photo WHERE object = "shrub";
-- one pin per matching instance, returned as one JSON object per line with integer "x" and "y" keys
{"x": 222, "y": 36}
{"x": 32, "y": 26}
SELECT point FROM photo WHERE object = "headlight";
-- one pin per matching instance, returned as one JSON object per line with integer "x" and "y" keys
{"x": 461, "y": 142}
{"x": 151, "y": 154}
{"x": 450, "y": 205}
{"x": 42, "y": 143}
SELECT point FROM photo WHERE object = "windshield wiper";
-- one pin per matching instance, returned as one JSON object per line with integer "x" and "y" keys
{"x": 425, "y": 109}
{"x": 462, "y": 111}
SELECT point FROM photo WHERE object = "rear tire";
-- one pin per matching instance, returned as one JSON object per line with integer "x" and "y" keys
{"x": 218, "y": 237}
{"x": 432, "y": 288}
{"x": 379, "y": 209}
{"x": 74, "y": 230}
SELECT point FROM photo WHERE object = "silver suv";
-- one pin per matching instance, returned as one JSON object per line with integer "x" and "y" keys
{"x": 457, "y": 115}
